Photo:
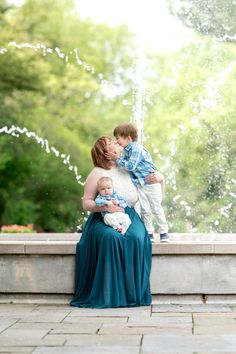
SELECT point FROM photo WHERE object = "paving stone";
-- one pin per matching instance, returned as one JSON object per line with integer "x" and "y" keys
{"x": 160, "y": 320}
{"x": 171, "y": 314}
{"x": 96, "y": 340}
{"x": 188, "y": 343}
{"x": 191, "y": 308}
{"x": 17, "y": 307}
{"x": 103, "y": 340}
{"x": 65, "y": 329}
{"x": 6, "y": 323}
{"x": 23, "y": 350}
{"x": 32, "y": 298}
{"x": 221, "y": 352}
{"x": 176, "y": 299}
{"x": 160, "y": 352}
{"x": 44, "y": 317}
{"x": 83, "y": 328}
{"x": 215, "y": 329}
{"x": 38, "y": 325}
{"x": 61, "y": 327}
{"x": 30, "y": 341}
{"x": 23, "y": 333}
{"x": 206, "y": 321}
{"x": 214, "y": 315}
{"x": 78, "y": 319}
{"x": 122, "y": 329}
{"x": 57, "y": 308}
{"x": 215, "y": 352}
{"x": 15, "y": 311}
{"x": 88, "y": 350}
{"x": 143, "y": 311}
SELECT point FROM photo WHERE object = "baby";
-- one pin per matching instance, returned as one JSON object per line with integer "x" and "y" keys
{"x": 118, "y": 220}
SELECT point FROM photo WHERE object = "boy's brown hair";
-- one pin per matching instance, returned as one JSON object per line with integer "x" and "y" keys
{"x": 126, "y": 130}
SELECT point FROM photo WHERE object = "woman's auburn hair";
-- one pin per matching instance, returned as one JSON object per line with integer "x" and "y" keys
{"x": 98, "y": 153}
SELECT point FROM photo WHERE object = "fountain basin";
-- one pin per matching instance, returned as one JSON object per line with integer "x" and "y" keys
{"x": 189, "y": 264}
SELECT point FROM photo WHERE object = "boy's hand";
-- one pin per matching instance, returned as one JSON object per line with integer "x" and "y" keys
{"x": 154, "y": 177}
{"x": 115, "y": 202}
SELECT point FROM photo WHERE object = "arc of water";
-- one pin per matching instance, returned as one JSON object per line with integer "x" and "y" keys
{"x": 46, "y": 50}
{"x": 16, "y": 131}
{"x": 139, "y": 93}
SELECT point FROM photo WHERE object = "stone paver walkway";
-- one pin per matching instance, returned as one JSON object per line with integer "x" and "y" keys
{"x": 160, "y": 328}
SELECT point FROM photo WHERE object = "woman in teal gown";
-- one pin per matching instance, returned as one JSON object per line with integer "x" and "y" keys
{"x": 112, "y": 270}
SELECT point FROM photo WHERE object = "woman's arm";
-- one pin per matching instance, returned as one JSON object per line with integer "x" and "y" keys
{"x": 90, "y": 192}
{"x": 156, "y": 177}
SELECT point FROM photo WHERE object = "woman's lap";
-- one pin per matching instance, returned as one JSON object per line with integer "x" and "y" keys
{"x": 113, "y": 270}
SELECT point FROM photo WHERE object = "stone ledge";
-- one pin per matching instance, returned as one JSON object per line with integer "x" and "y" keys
{"x": 189, "y": 264}
{"x": 65, "y": 244}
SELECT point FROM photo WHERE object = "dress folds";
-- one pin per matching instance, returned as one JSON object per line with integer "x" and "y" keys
{"x": 113, "y": 270}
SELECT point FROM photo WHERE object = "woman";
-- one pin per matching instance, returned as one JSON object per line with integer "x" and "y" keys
{"x": 112, "y": 270}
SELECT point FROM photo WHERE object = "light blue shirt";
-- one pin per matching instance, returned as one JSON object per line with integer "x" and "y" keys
{"x": 137, "y": 160}
{"x": 101, "y": 199}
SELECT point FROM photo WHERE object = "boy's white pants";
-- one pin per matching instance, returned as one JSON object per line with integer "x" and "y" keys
{"x": 117, "y": 220}
{"x": 150, "y": 197}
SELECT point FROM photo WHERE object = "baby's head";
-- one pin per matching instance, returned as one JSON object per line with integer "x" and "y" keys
{"x": 105, "y": 186}
{"x": 125, "y": 134}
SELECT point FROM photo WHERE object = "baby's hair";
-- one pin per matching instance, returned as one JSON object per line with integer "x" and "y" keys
{"x": 103, "y": 179}
{"x": 126, "y": 130}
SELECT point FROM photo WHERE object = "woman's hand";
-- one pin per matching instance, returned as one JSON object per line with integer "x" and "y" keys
{"x": 114, "y": 208}
{"x": 155, "y": 177}
{"x": 114, "y": 151}
{"x": 109, "y": 203}
{"x": 112, "y": 155}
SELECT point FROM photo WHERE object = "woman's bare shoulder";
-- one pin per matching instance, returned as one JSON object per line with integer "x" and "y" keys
{"x": 95, "y": 174}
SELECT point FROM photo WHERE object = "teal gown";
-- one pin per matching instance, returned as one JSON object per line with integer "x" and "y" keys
{"x": 113, "y": 270}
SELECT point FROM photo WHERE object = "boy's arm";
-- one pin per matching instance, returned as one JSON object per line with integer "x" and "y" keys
{"x": 131, "y": 162}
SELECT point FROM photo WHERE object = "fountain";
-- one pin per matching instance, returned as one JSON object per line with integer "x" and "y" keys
{"x": 210, "y": 257}
{"x": 204, "y": 103}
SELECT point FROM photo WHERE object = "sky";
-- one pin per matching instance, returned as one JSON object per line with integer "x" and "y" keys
{"x": 156, "y": 29}
{"x": 150, "y": 19}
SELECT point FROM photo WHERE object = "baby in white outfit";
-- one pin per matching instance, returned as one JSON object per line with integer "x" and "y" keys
{"x": 118, "y": 220}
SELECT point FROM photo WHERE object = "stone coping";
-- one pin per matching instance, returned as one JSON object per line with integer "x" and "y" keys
{"x": 65, "y": 244}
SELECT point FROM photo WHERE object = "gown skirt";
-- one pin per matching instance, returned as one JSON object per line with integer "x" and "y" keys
{"x": 113, "y": 270}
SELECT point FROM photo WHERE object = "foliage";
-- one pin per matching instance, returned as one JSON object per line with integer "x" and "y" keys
{"x": 61, "y": 102}
{"x": 210, "y": 17}
{"x": 190, "y": 123}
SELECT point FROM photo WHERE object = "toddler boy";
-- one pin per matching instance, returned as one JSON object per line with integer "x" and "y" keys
{"x": 136, "y": 159}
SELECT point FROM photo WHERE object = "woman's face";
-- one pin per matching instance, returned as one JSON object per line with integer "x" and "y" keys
{"x": 113, "y": 146}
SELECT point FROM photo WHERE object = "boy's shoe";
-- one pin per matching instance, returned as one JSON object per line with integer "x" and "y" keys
{"x": 151, "y": 238}
{"x": 164, "y": 237}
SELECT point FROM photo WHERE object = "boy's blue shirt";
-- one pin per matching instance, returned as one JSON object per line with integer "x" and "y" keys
{"x": 137, "y": 160}
{"x": 101, "y": 199}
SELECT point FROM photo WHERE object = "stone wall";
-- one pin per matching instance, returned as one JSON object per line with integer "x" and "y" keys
{"x": 189, "y": 264}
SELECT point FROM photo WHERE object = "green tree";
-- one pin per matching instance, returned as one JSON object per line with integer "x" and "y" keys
{"x": 61, "y": 101}
{"x": 209, "y": 17}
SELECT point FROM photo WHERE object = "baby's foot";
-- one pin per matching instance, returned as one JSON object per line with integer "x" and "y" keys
{"x": 119, "y": 229}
